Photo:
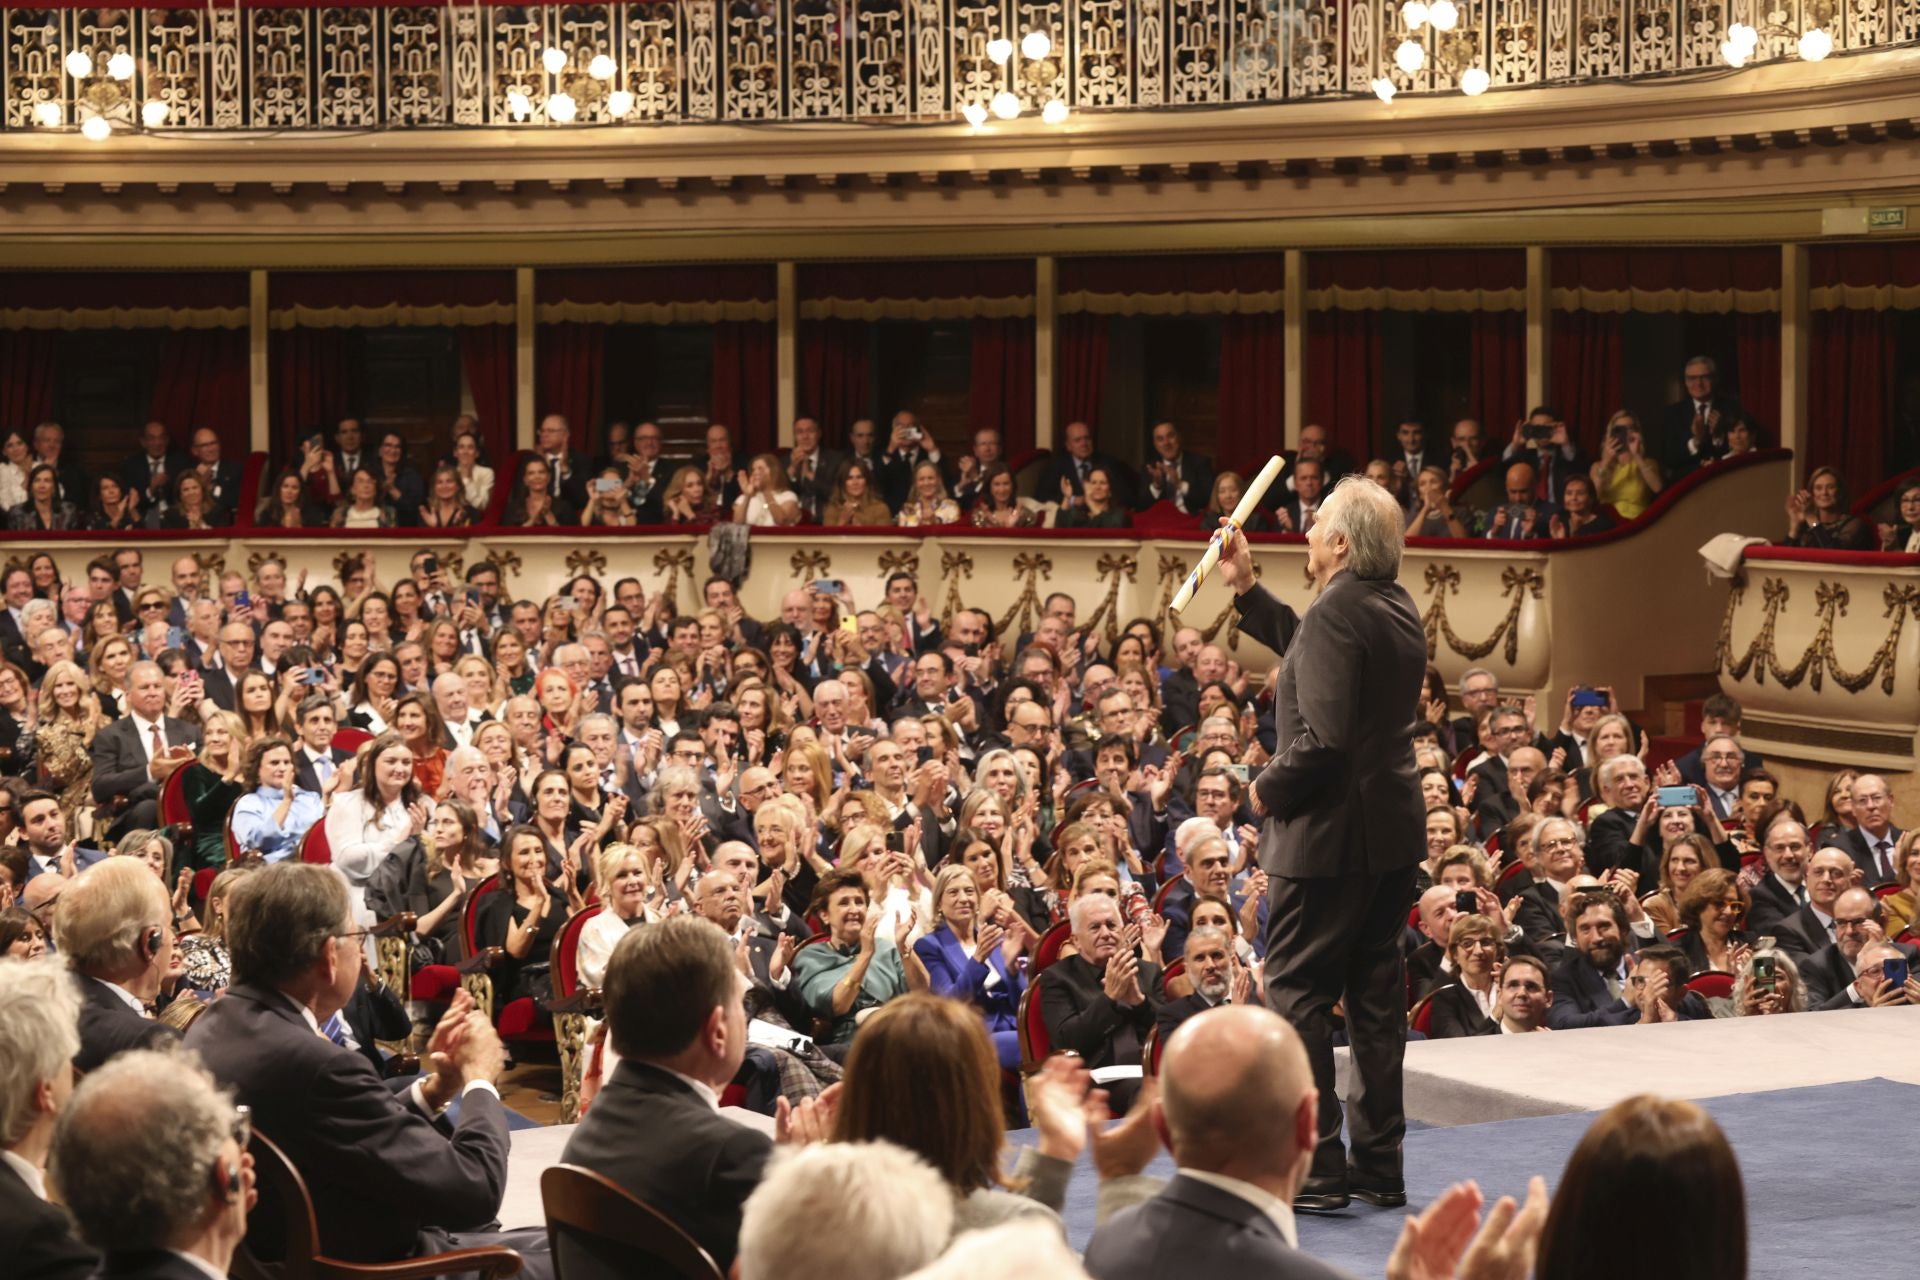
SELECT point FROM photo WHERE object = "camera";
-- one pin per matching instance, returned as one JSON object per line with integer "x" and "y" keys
{"x": 605, "y": 485}
{"x": 1465, "y": 901}
{"x": 1536, "y": 432}
{"x": 430, "y": 566}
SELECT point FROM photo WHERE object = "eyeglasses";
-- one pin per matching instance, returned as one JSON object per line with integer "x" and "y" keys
{"x": 1564, "y": 842}
{"x": 1852, "y": 922}
{"x": 1722, "y": 757}
{"x": 147, "y": 605}
{"x": 1479, "y": 944}
{"x": 242, "y": 1128}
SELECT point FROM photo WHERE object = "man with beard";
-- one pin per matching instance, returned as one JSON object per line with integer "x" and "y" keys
{"x": 1594, "y": 980}
{"x": 1218, "y": 978}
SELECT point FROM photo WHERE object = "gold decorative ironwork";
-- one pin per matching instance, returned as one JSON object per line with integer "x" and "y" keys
{"x": 507, "y": 562}
{"x": 586, "y": 560}
{"x": 1516, "y": 584}
{"x": 1034, "y": 568}
{"x": 673, "y": 561}
{"x": 212, "y": 563}
{"x": 257, "y": 558}
{"x": 1112, "y": 569}
{"x": 1173, "y": 572}
{"x": 1820, "y": 660}
{"x": 954, "y": 567}
{"x": 811, "y": 564}
{"x": 892, "y": 562}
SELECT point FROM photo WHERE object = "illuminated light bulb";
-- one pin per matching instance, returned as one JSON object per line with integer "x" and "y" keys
{"x": 1414, "y": 13}
{"x": 154, "y": 113}
{"x": 1744, "y": 36}
{"x": 975, "y": 113}
{"x": 96, "y": 129}
{"x": 1005, "y": 105}
{"x": 602, "y": 67}
{"x": 1409, "y": 57}
{"x": 1383, "y": 89}
{"x": 1035, "y": 45}
{"x": 518, "y": 104}
{"x": 554, "y": 59}
{"x": 120, "y": 66}
{"x": 620, "y": 104}
{"x": 46, "y": 114}
{"x": 1443, "y": 14}
{"x": 79, "y": 64}
{"x": 1732, "y": 54}
{"x": 1000, "y": 50}
{"x": 1055, "y": 112}
{"x": 1474, "y": 82}
{"x": 561, "y": 108}
{"x": 1815, "y": 45}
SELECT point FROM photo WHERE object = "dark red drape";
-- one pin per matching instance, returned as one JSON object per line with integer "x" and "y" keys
{"x": 743, "y": 377}
{"x": 203, "y": 382}
{"x": 487, "y": 357}
{"x": 1756, "y": 339}
{"x": 27, "y": 367}
{"x": 834, "y": 383}
{"x": 1344, "y": 377}
{"x": 1849, "y": 398}
{"x": 1253, "y": 380}
{"x": 1001, "y": 394}
{"x": 1497, "y": 386}
{"x": 1081, "y": 370}
{"x": 309, "y": 379}
{"x": 1584, "y": 374}
{"x": 569, "y": 371}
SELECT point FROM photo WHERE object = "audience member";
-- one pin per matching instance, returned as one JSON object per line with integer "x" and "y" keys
{"x": 843, "y": 1211}
{"x": 115, "y": 930}
{"x": 39, "y": 1037}
{"x": 1101, "y": 1001}
{"x": 1817, "y": 516}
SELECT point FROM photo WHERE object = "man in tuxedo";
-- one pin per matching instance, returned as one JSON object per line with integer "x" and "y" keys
{"x": 675, "y": 1015}
{"x": 349, "y": 448}
{"x": 647, "y": 474}
{"x": 721, "y": 466}
{"x": 146, "y": 1120}
{"x": 813, "y": 471}
{"x": 389, "y": 1176}
{"x": 1500, "y": 790}
{"x": 115, "y": 928}
{"x": 1180, "y": 695}
{"x": 1624, "y": 786}
{"x": 1779, "y": 894}
{"x": 39, "y": 1021}
{"x": 1218, "y": 979}
{"x": 1101, "y": 1002}
{"x": 1409, "y": 455}
{"x": 1874, "y": 841}
{"x": 222, "y": 476}
{"x": 1542, "y": 440}
{"x": 571, "y": 467}
{"x": 1239, "y": 1109}
{"x": 235, "y": 657}
{"x": 151, "y": 471}
{"x": 1066, "y": 473}
{"x": 1592, "y": 983}
{"x": 1693, "y": 429}
{"x": 136, "y": 754}
{"x": 16, "y": 589}
{"x": 1174, "y": 475}
{"x": 1345, "y": 826}
{"x": 1829, "y": 973}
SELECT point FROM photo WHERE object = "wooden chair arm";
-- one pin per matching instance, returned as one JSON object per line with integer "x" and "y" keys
{"x": 400, "y": 924}
{"x": 482, "y": 961}
{"x": 586, "y": 1000}
{"x": 489, "y": 1261}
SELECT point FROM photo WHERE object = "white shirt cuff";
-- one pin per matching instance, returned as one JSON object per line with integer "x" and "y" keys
{"x": 1643, "y": 928}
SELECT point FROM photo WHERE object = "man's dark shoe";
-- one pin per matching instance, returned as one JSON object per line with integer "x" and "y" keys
{"x": 1385, "y": 1193}
{"x": 1322, "y": 1195}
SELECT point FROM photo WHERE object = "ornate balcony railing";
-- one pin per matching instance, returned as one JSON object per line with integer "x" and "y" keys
{"x": 228, "y": 67}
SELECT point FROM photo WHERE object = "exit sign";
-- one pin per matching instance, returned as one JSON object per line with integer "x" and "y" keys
{"x": 1890, "y": 219}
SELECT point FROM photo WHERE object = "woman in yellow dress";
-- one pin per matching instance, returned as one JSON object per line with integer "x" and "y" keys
{"x": 1625, "y": 478}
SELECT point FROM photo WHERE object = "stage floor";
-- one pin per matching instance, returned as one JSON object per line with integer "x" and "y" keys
{"x": 1479, "y": 1078}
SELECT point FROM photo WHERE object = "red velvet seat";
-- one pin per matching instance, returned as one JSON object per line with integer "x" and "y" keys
{"x": 520, "y": 1019}
{"x": 1421, "y": 1017}
{"x": 173, "y": 803}
{"x": 350, "y": 738}
{"x": 1711, "y": 985}
{"x": 314, "y": 847}
{"x": 1047, "y": 950}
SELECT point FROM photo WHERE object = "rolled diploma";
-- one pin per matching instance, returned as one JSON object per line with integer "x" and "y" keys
{"x": 1211, "y": 557}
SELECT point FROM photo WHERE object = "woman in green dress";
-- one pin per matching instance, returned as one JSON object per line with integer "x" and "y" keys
{"x": 212, "y": 785}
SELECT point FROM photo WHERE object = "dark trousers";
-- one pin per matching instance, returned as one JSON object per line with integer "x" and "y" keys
{"x": 1337, "y": 938}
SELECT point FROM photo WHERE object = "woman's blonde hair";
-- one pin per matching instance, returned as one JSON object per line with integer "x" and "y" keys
{"x": 950, "y": 873}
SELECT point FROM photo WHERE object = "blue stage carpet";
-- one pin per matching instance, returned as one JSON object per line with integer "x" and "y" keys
{"x": 1807, "y": 1156}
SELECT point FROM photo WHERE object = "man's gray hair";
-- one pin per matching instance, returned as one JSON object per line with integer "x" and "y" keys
{"x": 1209, "y": 933}
{"x": 672, "y": 777}
{"x": 39, "y": 1035}
{"x": 1028, "y": 1247}
{"x": 844, "y": 1211}
{"x": 106, "y": 911}
{"x": 1370, "y": 519}
{"x": 1713, "y": 366}
{"x": 133, "y": 1152}
{"x": 1573, "y": 829}
{"x": 597, "y": 717}
{"x": 1191, "y": 832}
{"x": 1471, "y": 672}
{"x": 1872, "y": 954}
{"x": 38, "y": 608}
{"x": 1612, "y": 765}
{"x": 1077, "y": 913}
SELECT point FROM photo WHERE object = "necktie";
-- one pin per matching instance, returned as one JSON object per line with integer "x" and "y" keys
{"x": 1080, "y": 468}
{"x": 323, "y": 768}
{"x": 1613, "y": 985}
{"x": 1886, "y": 867}
{"x": 1800, "y": 894}
{"x": 159, "y": 743}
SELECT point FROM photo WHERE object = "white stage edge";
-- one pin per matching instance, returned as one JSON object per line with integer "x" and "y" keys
{"x": 1478, "y": 1078}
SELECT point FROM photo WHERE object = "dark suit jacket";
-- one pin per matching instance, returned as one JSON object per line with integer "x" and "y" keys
{"x": 1170, "y": 1015}
{"x": 1456, "y": 1013}
{"x": 108, "y": 1027}
{"x": 305, "y": 776}
{"x": 36, "y": 1238}
{"x": 1693, "y": 772}
{"x": 120, "y": 760}
{"x": 148, "y": 1264}
{"x": 1676, "y": 430}
{"x": 1854, "y": 842}
{"x": 1828, "y": 974}
{"x": 1081, "y": 1017}
{"x": 1423, "y": 968}
{"x": 695, "y": 1166}
{"x": 1340, "y": 791}
{"x": 1537, "y": 912}
{"x": 387, "y": 1182}
{"x": 814, "y": 493}
{"x": 1062, "y": 465}
{"x": 1180, "y": 695}
{"x": 1195, "y": 471}
{"x": 1770, "y": 903}
{"x": 135, "y": 473}
{"x": 216, "y": 686}
{"x": 1192, "y": 1228}
{"x": 1580, "y": 996}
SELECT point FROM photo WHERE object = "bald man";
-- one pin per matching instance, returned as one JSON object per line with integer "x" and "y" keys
{"x": 1239, "y": 1112}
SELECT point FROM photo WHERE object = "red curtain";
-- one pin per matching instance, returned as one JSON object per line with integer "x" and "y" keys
{"x": 1584, "y": 372}
{"x": 309, "y": 378}
{"x": 1498, "y": 382}
{"x": 568, "y": 377}
{"x": 1080, "y": 372}
{"x": 27, "y": 367}
{"x": 1344, "y": 376}
{"x": 1253, "y": 377}
{"x": 1757, "y": 344}
{"x": 1001, "y": 394}
{"x": 1849, "y": 398}
{"x": 203, "y": 382}
{"x": 487, "y": 357}
{"x": 834, "y": 385}
{"x": 743, "y": 377}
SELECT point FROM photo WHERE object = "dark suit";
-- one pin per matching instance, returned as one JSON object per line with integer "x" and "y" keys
{"x": 387, "y": 1182}
{"x": 120, "y": 767}
{"x": 136, "y": 474}
{"x": 1537, "y": 912}
{"x": 1771, "y": 902}
{"x": 1677, "y": 457}
{"x": 216, "y": 686}
{"x": 1064, "y": 466}
{"x": 695, "y": 1166}
{"x": 1170, "y": 1015}
{"x": 1859, "y": 846}
{"x": 1694, "y": 773}
{"x": 223, "y": 490}
{"x": 148, "y": 1264}
{"x": 1827, "y": 975}
{"x": 1610, "y": 844}
{"x": 306, "y": 776}
{"x": 1581, "y": 998}
{"x": 1180, "y": 700}
{"x": 1456, "y": 1013}
{"x": 1081, "y": 1016}
{"x": 814, "y": 493}
{"x": 109, "y": 1026}
{"x": 572, "y": 485}
{"x": 1341, "y": 843}
{"x": 1195, "y": 472}
{"x": 1423, "y": 969}
{"x": 1192, "y": 1228}
{"x": 36, "y": 1238}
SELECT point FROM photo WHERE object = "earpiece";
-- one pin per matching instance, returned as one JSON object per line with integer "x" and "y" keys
{"x": 150, "y": 944}
{"x": 227, "y": 1177}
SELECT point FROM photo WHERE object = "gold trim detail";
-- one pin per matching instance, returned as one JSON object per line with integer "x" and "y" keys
{"x": 123, "y": 318}
{"x": 916, "y": 308}
{"x": 394, "y": 315}
{"x": 1035, "y": 569}
{"x": 673, "y": 561}
{"x": 1172, "y": 304}
{"x": 1864, "y": 297}
{"x": 654, "y": 312}
{"x": 1667, "y": 301}
{"x": 954, "y": 566}
{"x": 1830, "y": 601}
{"x": 1112, "y": 569}
{"x": 1516, "y": 585}
{"x": 1340, "y": 298}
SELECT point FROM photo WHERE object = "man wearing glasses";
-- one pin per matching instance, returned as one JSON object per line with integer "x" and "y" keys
{"x": 1500, "y": 782}
{"x": 1858, "y": 919}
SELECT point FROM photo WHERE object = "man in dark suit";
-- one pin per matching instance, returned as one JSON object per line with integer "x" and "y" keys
{"x": 1174, "y": 475}
{"x": 1693, "y": 430}
{"x": 39, "y": 1019}
{"x": 1066, "y": 472}
{"x": 647, "y": 475}
{"x": 1719, "y": 715}
{"x": 1295, "y": 512}
{"x": 1873, "y": 842}
{"x": 813, "y": 470}
{"x": 1779, "y": 894}
{"x": 1542, "y": 441}
{"x": 315, "y": 758}
{"x": 1345, "y": 826}
{"x": 238, "y": 650}
{"x": 16, "y": 589}
{"x": 571, "y": 467}
{"x": 49, "y": 449}
{"x": 1239, "y": 1110}
{"x": 1829, "y": 972}
{"x": 1335, "y": 463}
{"x": 150, "y": 472}
{"x": 1219, "y": 979}
{"x": 1101, "y": 1002}
{"x": 222, "y": 476}
{"x": 675, "y": 1015}
{"x": 721, "y": 465}
{"x": 136, "y": 754}
{"x": 1592, "y": 984}
{"x": 115, "y": 928}
{"x": 390, "y": 1178}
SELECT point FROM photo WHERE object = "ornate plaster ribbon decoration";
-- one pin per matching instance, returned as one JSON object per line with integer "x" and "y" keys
{"x": 673, "y": 561}
{"x": 586, "y": 561}
{"x": 1035, "y": 569}
{"x": 892, "y": 562}
{"x": 1517, "y": 584}
{"x": 955, "y": 567}
{"x": 1820, "y": 660}
{"x": 811, "y": 564}
{"x": 1112, "y": 569}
